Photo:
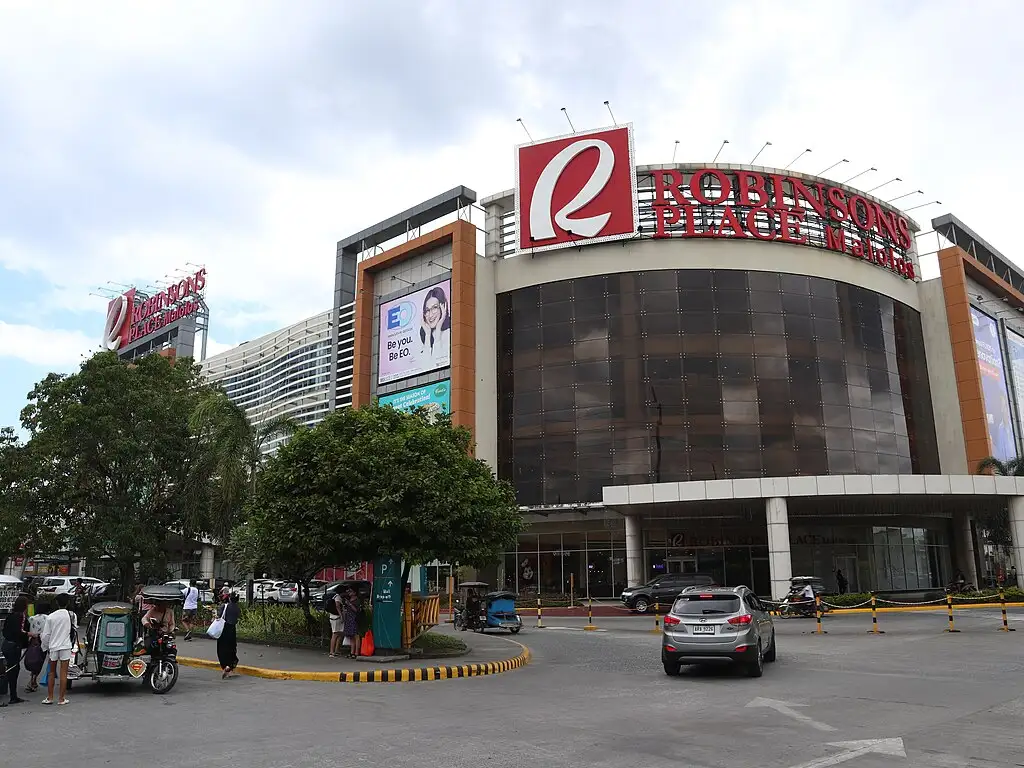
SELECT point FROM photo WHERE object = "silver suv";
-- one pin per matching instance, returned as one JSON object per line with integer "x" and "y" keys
{"x": 718, "y": 624}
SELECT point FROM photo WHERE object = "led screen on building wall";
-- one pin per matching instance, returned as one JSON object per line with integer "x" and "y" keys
{"x": 1015, "y": 351}
{"x": 993, "y": 385}
{"x": 415, "y": 333}
{"x": 435, "y": 398}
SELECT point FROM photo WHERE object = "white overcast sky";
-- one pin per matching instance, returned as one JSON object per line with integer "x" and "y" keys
{"x": 250, "y": 136}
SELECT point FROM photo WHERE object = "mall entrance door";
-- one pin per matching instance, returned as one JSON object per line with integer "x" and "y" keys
{"x": 681, "y": 564}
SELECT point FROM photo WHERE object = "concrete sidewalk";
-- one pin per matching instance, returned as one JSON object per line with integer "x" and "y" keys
{"x": 488, "y": 655}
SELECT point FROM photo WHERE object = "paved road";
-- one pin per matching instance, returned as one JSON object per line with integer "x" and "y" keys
{"x": 589, "y": 699}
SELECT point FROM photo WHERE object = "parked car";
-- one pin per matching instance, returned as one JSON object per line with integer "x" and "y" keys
{"x": 363, "y": 589}
{"x": 663, "y": 590}
{"x": 715, "y": 625}
{"x": 65, "y": 585}
{"x": 264, "y": 591}
{"x": 289, "y": 591}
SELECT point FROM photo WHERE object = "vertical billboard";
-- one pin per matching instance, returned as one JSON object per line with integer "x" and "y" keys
{"x": 415, "y": 334}
{"x": 435, "y": 398}
{"x": 993, "y": 385}
{"x": 1015, "y": 353}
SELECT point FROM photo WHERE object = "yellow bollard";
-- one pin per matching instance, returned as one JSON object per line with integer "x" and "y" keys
{"x": 1002, "y": 605}
{"x": 590, "y": 615}
{"x": 874, "y": 617}
{"x": 540, "y": 624}
{"x": 817, "y": 611}
{"x": 657, "y": 624}
{"x": 949, "y": 607}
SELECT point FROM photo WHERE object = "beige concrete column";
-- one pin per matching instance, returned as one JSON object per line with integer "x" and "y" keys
{"x": 779, "y": 560}
{"x": 1017, "y": 533}
{"x": 634, "y": 552}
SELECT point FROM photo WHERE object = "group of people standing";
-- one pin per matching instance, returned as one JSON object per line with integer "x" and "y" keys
{"x": 47, "y": 639}
{"x": 345, "y": 608}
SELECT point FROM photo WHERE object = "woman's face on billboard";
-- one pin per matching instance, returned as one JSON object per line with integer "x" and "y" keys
{"x": 433, "y": 312}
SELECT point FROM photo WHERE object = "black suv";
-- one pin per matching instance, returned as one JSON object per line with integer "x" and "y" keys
{"x": 663, "y": 590}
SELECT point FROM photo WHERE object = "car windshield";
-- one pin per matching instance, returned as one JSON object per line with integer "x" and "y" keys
{"x": 704, "y": 605}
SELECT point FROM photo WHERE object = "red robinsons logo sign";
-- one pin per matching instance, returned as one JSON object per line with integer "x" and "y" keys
{"x": 576, "y": 188}
{"x": 719, "y": 203}
{"x": 129, "y": 321}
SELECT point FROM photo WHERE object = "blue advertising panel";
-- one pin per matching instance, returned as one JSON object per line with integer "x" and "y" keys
{"x": 435, "y": 398}
{"x": 993, "y": 385}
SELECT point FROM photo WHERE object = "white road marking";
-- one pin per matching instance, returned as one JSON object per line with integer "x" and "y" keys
{"x": 785, "y": 708}
{"x": 854, "y": 749}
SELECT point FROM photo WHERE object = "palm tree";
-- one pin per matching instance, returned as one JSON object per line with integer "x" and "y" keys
{"x": 234, "y": 450}
{"x": 996, "y": 524}
{"x": 994, "y": 466}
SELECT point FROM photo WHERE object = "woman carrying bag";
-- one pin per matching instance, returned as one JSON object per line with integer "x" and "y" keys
{"x": 224, "y": 629}
{"x": 16, "y": 637}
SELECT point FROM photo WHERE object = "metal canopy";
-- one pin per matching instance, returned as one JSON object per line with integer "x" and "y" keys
{"x": 958, "y": 233}
{"x": 429, "y": 210}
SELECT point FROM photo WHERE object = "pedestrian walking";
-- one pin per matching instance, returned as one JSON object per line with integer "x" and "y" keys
{"x": 188, "y": 613}
{"x": 60, "y": 636}
{"x": 227, "y": 643}
{"x": 16, "y": 638}
{"x": 841, "y": 581}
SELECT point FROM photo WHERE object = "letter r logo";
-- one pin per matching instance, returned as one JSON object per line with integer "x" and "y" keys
{"x": 578, "y": 189}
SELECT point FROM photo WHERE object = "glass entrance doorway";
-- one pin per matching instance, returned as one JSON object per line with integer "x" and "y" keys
{"x": 681, "y": 564}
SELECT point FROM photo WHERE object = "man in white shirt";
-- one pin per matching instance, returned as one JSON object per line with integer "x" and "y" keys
{"x": 188, "y": 614}
{"x": 59, "y": 638}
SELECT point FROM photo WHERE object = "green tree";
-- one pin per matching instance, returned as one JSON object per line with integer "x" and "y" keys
{"x": 376, "y": 481}
{"x": 117, "y": 467}
{"x": 23, "y": 528}
{"x": 233, "y": 450}
{"x": 996, "y": 524}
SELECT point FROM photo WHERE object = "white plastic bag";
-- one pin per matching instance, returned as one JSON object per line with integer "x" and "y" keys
{"x": 346, "y": 642}
{"x": 216, "y": 628}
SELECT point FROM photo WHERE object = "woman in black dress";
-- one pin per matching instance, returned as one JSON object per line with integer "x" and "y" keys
{"x": 227, "y": 643}
{"x": 15, "y": 640}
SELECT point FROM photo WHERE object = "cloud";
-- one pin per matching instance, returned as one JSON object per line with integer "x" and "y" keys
{"x": 136, "y": 139}
{"x": 51, "y": 348}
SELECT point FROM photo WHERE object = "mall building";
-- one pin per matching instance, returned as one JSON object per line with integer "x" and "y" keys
{"x": 716, "y": 368}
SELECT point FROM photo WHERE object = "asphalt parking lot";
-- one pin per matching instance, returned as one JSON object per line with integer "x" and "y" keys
{"x": 913, "y": 697}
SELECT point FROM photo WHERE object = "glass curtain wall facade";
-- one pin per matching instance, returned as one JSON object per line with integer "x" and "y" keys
{"x": 678, "y": 375}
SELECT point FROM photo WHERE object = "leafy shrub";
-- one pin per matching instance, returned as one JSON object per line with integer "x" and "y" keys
{"x": 430, "y": 642}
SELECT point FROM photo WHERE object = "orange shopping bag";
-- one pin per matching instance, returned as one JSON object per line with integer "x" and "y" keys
{"x": 367, "y": 647}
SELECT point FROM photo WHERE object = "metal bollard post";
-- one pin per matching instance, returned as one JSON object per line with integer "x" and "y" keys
{"x": 817, "y": 607}
{"x": 590, "y": 615}
{"x": 874, "y": 616}
{"x": 1002, "y": 605}
{"x": 949, "y": 607}
{"x": 540, "y": 624}
{"x": 657, "y": 627}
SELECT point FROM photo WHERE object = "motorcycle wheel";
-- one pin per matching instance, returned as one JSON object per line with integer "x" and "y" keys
{"x": 162, "y": 676}
{"x": 515, "y": 630}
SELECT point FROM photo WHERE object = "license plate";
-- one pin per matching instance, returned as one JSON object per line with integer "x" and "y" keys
{"x": 112, "y": 662}
{"x": 704, "y": 629}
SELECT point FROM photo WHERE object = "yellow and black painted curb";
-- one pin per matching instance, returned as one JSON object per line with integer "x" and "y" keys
{"x": 400, "y": 675}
